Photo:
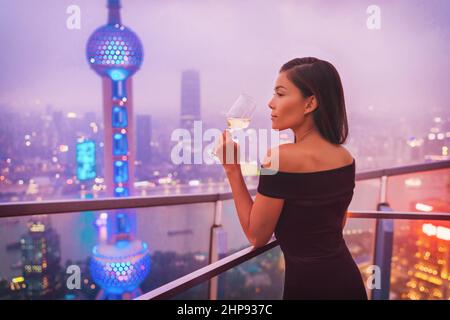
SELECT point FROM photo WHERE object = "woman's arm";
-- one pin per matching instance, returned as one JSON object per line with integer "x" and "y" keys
{"x": 258, "y": 218}
{"x": 242, "y": 200}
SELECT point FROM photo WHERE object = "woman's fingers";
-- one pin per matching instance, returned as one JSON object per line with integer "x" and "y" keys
{"x": 226, "y": 146}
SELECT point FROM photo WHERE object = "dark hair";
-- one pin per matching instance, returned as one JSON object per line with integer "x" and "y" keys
{"x": 321, "y": 79}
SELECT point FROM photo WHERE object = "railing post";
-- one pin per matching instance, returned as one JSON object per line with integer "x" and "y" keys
{"x": 218, "y": 247}
{"x": 384, "y": 236}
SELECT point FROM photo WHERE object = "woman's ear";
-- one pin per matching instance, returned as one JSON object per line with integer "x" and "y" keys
{"x": 311, "y": 105}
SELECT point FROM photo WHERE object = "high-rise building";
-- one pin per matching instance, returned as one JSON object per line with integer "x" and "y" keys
{"x": 421, "y": 259}
{"x": 429, "y": 272}
{"x": 40, "y": 249}
{"x": 190, "y": 98}
{"x": 143, "y": 139}
{"x": 190, "y": 112}
{"x": 115, "y": 53}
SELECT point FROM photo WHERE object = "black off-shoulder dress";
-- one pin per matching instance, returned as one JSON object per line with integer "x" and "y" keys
{"x": 309, "y": 230}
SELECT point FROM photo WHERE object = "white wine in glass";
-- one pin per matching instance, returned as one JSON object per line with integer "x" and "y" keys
{"x": 238, "y": 123}
{"x": 240, "y": 114}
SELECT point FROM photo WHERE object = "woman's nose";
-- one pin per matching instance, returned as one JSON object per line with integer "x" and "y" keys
{"x": 270, "y": 104}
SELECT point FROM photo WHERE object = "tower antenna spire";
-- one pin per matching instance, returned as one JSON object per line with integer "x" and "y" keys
{"x": 114, "y": 12}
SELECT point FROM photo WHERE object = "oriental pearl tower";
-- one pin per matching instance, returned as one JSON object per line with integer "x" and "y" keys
{"x": 120, "y": 262}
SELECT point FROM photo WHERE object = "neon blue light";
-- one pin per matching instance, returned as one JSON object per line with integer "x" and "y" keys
{"x": 120, "y": 281}
{"x": 120, "y": 145}
{"x": 121, "y": 192}
{"x": 119, "y": 117}
{"x": 86, "y": 162}
{"x": 117, "y": 74}
{"x": 120, "y": 171}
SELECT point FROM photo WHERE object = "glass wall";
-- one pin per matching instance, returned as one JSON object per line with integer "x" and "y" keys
{"x": 39, "y": 253}
{"x": 421, "y": 258}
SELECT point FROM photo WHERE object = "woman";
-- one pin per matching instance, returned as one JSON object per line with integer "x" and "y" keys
{"x": 305, "y": 201}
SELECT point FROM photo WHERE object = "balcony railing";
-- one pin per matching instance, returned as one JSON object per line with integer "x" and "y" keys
{"x": 384, "y": 216}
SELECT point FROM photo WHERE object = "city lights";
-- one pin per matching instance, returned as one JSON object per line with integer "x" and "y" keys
{"x": 413, "y": 142}
{"x": 194, "y": 183}
{"x": 37, "y": 227}
{"x": 63, "y": 148}
{"x": 18, "y": 279}
{"x": 413, "y": 182}
{"x": 423, "y": 207}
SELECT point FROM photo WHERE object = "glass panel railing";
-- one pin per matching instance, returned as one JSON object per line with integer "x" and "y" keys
{"x": 199, "y": 292}
{"x": 366, "y": 195}
{"x": 422, "y": 191}
{"x": 259, "y": 278}
{"x": 359, "y": 235}
{"x": 421, "y": 258}
{"x": 40, "y": 254}
{"x": 179, "y": 239}
{"x": 235, "y": 237}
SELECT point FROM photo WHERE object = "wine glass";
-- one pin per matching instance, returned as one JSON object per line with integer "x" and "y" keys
{"x": 239, "y": 115}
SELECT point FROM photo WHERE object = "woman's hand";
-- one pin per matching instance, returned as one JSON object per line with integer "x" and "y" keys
{"x": 228, "y": 152}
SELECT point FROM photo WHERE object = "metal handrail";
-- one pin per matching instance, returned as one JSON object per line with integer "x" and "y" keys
{"x": 16, "y": 209}
{"x": 206, "y": 273}
{"x": 404, "y": 215}
{"x": 199, "y": 276}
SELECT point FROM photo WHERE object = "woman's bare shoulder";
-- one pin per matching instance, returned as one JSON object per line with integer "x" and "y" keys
{"x": 293, "y": 158}
{"x": 285, "y": 157}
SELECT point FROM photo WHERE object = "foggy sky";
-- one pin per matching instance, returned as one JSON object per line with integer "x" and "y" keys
{"x": 236, "y": 45}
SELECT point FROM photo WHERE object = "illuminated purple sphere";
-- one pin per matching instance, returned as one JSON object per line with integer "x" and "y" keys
{"x": 114, "y": 51}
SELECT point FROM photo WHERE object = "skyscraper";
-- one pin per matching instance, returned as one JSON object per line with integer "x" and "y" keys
{"x": 115, "y": 53}
{"x": 190, "y": 98}
{"x": 41, "y": 256}
{"x": 190, "y": 112}
{"x": 429, "y": 267}
{"x": 143, "y": 138}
